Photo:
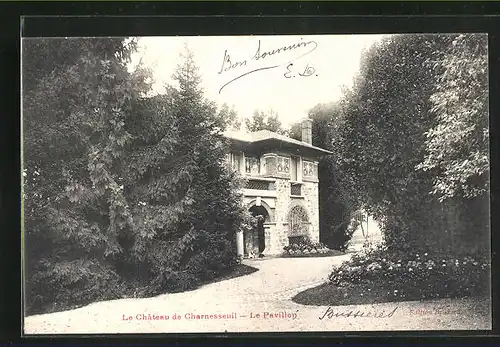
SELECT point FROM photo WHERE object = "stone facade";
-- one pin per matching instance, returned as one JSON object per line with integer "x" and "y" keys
{"x": 280, "y": 208}
{"x": 281, "y": 186}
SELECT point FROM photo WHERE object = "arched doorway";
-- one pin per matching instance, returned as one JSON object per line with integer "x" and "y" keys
{"x": 254, "y": 240}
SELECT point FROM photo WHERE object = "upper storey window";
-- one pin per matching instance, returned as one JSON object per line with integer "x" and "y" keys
{"x": 283, "y": 165}
{"x": 274, "y": 165}
{"x": 234, "y": 161}
{"x": 310, "y": 169}
{"x": 252, "y": 165}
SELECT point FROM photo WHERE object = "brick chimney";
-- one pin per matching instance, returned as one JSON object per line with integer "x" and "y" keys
{"x": 307, "y": 131}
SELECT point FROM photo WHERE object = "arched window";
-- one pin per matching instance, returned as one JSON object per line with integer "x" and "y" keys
{"x": 298, "y": 221}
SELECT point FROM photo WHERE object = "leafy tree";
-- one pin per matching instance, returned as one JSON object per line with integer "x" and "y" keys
{"x": 232, "y": 120}
{"x": 265, "y": 121}
{"x": 457, "y": 146}
{"x": 388, "y": 114}
{"x": 295, "y": 131}
{"x": 256, "y": 123}
{"x": 336, "y": 201}
{"x": 386, "y": 141}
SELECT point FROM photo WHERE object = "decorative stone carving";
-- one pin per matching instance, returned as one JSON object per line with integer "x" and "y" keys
{"x": 310, "y": 169}
{"x": 298, "y": 221}
{"x": 283, "y": 165}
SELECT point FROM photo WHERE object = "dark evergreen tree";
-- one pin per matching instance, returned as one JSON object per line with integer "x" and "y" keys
{"x": 336, "y": 203}
{"x": 120, "y": 190}
{"x": 188, "y": 208}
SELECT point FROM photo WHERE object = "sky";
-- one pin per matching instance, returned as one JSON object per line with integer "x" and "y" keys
{"x": 322, "y": 64}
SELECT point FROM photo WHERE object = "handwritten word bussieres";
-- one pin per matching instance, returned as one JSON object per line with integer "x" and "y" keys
{"x": 330, "y": 313}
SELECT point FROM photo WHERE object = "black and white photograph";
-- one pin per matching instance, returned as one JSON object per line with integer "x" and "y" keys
{"x": 259, "y": 183}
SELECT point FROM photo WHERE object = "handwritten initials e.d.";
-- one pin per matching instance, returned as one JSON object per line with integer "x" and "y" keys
{"x": 308, "y": 71}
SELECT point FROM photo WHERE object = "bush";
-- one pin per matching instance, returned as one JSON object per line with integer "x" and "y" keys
{"x": 414, "y": 274}
{"x": 64, "y": 284}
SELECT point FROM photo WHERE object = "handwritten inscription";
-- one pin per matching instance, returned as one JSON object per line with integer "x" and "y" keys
{"x": 260, "y": 55}
{"x": 303, "y": 72}
{"x": 228, "y": 64}
{"x": 330, "y": 313}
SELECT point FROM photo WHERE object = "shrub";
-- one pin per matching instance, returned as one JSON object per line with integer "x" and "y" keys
{"x": 340, "y": 237}
{"x": 413, "y": 274}
{"x": 56, "y": 285}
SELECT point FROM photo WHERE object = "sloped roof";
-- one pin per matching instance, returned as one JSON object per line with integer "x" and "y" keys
{"x": 263, "y": 137}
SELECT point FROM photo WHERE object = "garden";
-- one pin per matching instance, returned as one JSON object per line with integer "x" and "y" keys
{"x": 377, "y": 276}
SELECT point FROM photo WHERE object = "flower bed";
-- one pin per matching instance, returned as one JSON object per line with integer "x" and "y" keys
{"x": 306, "y": 248}
{"x": 432, "y": 276}
{"x": 375, "y": 276}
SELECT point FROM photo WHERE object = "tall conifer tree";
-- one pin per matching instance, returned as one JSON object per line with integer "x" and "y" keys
{"x": 189, "y": 208}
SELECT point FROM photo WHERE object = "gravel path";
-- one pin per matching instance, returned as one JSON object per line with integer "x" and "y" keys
{"x": 260, "y": 302}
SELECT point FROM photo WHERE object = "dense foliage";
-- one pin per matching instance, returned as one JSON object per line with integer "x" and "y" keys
{"x": 120, "y": 189}
{"x": 76, "y": 94}
{"x": 457, "y": 146}
{"x": 414, "y": 141}
{"x": 187, "y": 202}
{"x": 336, "y": 206}
{"x": 386, "y": 136}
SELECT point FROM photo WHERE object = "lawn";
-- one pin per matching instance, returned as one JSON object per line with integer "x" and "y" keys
{"x": 357, "y": 294}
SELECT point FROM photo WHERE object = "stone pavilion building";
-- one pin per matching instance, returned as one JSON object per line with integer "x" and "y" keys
{"x": 281, "y": 176}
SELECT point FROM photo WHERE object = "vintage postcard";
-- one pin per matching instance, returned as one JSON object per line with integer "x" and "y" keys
{"x": 280, "y": 183}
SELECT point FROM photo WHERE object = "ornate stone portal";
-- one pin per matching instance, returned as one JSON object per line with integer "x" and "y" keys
{"x": 255, "y": 239}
